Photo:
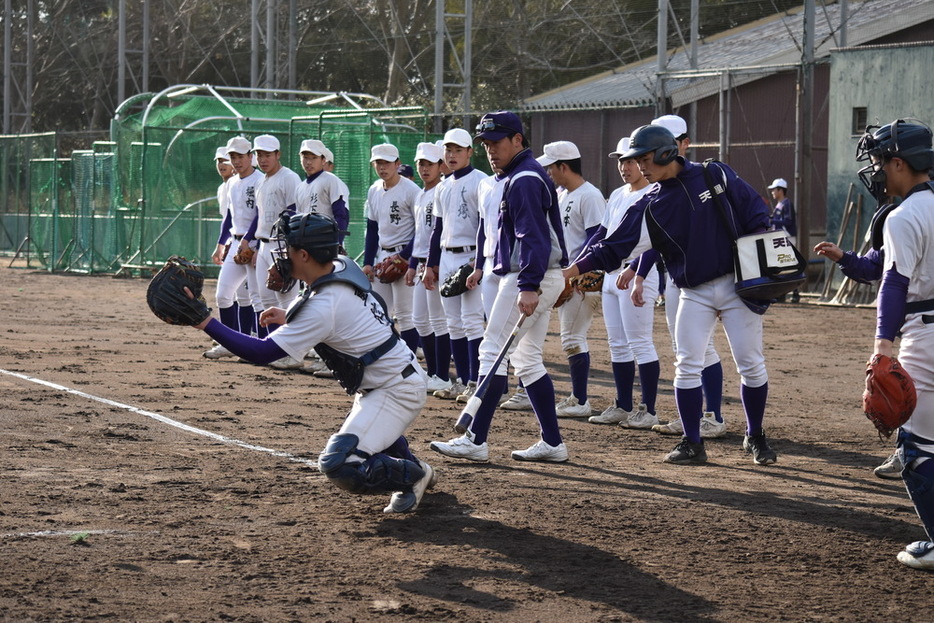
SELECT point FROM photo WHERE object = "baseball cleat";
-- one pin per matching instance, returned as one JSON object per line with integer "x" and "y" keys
{"x": 408, "y": 501}
{"x": 462, "y": 448}
{"x": 217, "y": 352}
{"x": 542, "y": 452}
{"x": 571, "y": 407}
{"x": 451, "y": 393}
{"x": 469, "y": 390}
{"x": 918, "y": 555}
{"x": 762, "y": 453}
{"x": 710, "y": 428}
{"x": 437, "y": 384}
{"x": 611, "y": 415}
{"x": 287, "y": 363}
{"x": 640, "y": 419}
{"x": 517, "y": 402}
{"x": 890, "y": 469}
{"x": 673, "y": 427}
{"x": 687, "y": 453}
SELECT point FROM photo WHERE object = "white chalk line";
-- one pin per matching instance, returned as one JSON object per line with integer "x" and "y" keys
{"x": 166, "y": 420}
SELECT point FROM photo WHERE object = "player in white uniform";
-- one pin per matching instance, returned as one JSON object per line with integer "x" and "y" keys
{"x": 582, "y": 209}
{"x": 241, "y": 191}
{"x": 339, "y": 315}
{"x": 390, "y": 228}
{"x": 901, "y": 157}
{"x": 453, "y": 244}
{"x": 322, "y": 192}
{"x": 629, "y": 326}
{"x": 427, "y": 311}
{"x": 712, "y": 423}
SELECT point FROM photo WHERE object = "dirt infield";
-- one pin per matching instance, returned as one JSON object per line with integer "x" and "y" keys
{"x": 142, "y": 482}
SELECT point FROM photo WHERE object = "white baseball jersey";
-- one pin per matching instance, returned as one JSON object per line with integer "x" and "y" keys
{"x": 489, "y": 196}
{"x": 581, "y": 209}
{"x": 620, "y": 201}
{"x": 424, "y": 220}
{"x": 458, "y": 206}
{"x": 318, "y": 194}
{"x": 274, "y": 194}
{"x": 393, "y": 210}
{"x": 338, "y": 317}
{"x": 242, "y": 192}
{"x": 223, "y": 199}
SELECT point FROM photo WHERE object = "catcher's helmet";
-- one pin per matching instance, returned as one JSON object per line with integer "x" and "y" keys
{"x": 900, "y": 139}
{"x": 649, "y": 138}
{"x": 312, "y": 232}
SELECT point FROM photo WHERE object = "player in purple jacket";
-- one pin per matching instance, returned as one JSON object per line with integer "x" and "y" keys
{"x": 529, "y": 254}
{"x": 679, "y": 218}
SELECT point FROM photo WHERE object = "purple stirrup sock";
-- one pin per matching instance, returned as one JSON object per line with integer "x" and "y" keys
{"x": 431, "y": 354}
{"x": 473, "y": 351}
{"x": 410, "y": 337}
{"x": 648, "y": 379}
{"x": 624, "y": 374}
{"x": 443, "y": 348}
{"x": 754, "y": 405}
{"x": 712, "y": 382}
{"x": 229, "y": 317}
{"x": 579, "y": 365}
{"x": 690, "y": 407}
{"x": 542, "y": 396}
{"x": 247, "y": 320}
{"x": 480, "y": 427}
{"x": 261, "y": 331}
{"x": 461, "y": 359}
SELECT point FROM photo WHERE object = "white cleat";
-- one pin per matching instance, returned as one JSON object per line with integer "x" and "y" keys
{"x": 462, "y": 448}
{"x": 543, "y": 453}
{"x": 710, "y": 428}
{"x": 611, "y": 415}
{"x": 640, "y": 419}
{"x": 571, "y": 407}
{"x": 287, "y": 363}
{"x": 217, "y": 352}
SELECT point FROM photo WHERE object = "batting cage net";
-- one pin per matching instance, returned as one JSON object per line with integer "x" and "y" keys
{"x": 150, "y": 192}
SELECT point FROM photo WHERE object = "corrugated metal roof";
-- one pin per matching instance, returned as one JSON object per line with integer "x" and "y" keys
{"x": 768, "y": 42}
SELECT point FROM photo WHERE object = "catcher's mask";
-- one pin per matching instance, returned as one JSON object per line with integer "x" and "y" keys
{"x": 909, "y": 141}
{"x": 650, "y": 138}
{"x": 316, "y": 234}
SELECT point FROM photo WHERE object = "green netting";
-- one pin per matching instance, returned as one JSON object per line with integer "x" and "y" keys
{"x": 150, "y": 191}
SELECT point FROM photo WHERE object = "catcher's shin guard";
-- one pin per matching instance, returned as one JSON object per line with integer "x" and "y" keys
{"x": 377, "y": 473}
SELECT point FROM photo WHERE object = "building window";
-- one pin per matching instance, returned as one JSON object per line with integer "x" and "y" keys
{"x": 860, "y": 120}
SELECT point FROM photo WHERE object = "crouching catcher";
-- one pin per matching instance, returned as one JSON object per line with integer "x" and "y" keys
{"x": 340, "y": 316}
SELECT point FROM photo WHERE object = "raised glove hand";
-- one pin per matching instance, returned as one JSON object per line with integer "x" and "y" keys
{"x": 166, "y": 294}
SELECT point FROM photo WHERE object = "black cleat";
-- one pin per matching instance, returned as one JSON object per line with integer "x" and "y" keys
{"x": 687, "y": 453}
{"x": 762, "y": 453}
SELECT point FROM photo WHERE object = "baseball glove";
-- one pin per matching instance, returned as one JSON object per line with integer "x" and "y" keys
{"x": 244, "y": 255}
{"x": 890, "y": 396}
{"x": 391, "y": 268}
{"x": 166, "y": 294}
{"x": 274, "y": 280}
{"x": 589, "y": 282}
{"x": 565, "y": 295}
{"x": 456, "y": 283}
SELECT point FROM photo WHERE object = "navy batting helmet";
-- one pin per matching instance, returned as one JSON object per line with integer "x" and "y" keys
{"x": 900, "y": 139}
{"x": 649, "y": 138}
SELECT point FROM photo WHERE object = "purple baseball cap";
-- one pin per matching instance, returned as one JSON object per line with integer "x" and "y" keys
{"x": 498, "y": 125}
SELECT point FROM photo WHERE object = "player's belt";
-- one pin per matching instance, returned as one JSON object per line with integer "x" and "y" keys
{"x": 419, "y": 259}
{"x": 394, "y": 249}
{"x": 266, "y": 240}
{"x": 407, "y": 371}
{"x": 460, "y": 249}
{"x": 238, "y": 236}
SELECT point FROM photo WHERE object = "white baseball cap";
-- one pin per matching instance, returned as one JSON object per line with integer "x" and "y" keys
{"x": 621, "y": 147}
{"x": 238, "y": 145}
{"x": 779, "y": 183}
{"x": 559, "y": 150}
{"x": 328, "y": 155}
{"x": 429, "y": 151}
{"x": 673, "y": 123}
{"x": 384, "y": 151}
{"x": 221, "y": 154}
{"x": 459, "y": 137}
{"x": 266, "y": 142}
{"x": 312, "y": 146}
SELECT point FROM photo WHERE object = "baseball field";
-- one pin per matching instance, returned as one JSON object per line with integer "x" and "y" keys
{"x": 141, "y": 482}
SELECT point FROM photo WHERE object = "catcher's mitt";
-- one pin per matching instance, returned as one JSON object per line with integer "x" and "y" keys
{"x": 589, "y": 282}
{"x": 391, "y": 268}
{"x": 890, "y": 396}
{"x": 244, "y": 255}
{"x": 166, "y": 294}
{"x": 456, "y": 283}
{"x": 274, "y": 280}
